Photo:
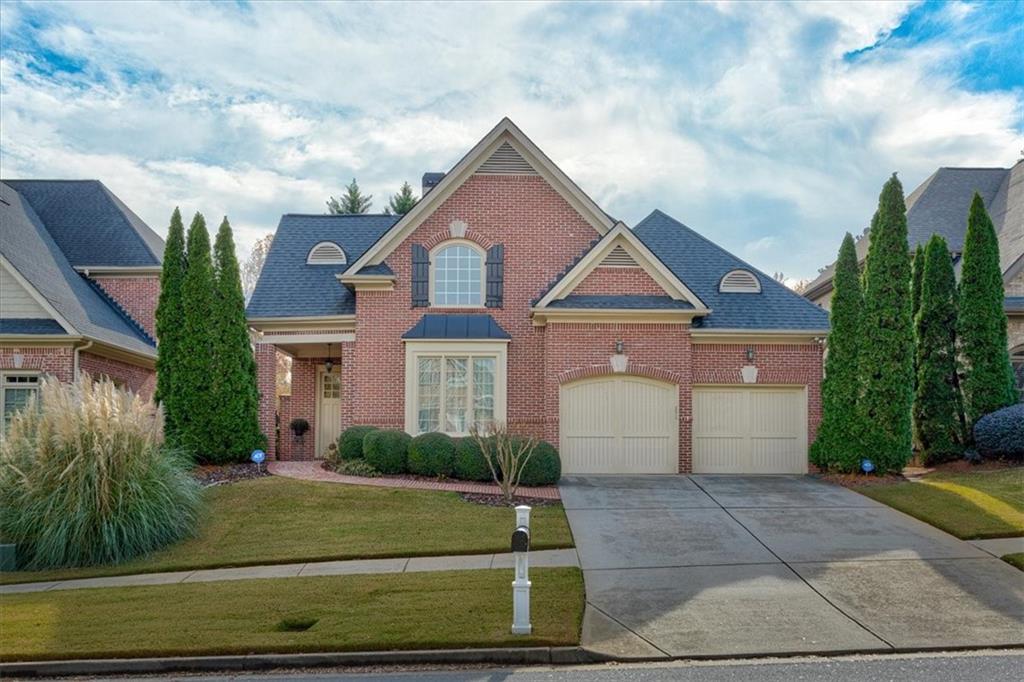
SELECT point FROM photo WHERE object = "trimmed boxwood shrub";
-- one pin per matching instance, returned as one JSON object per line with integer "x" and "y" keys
{"x": 1001, "y": 433}
{"x": 350, "y": 442}
{"x": 544, "y": 466}
{"x": 387, "y": 451}
{"x": 432, "y": 454}
{"x": 469, "y": 461}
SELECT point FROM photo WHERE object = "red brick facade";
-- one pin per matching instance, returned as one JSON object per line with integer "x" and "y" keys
{"x": 137, "y": 295}
{"x": 138, "y": 379}
{"x": 59, "y": 362}
{"x": 612, "y": 281}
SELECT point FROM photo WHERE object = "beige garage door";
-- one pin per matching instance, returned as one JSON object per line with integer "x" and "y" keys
{"x": 619, "y": 425}
{"x": 749, "y": 430}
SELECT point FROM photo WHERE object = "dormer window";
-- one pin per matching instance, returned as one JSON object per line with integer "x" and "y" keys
{"x": 457, "y": 275}
{"x": 326, "y": 253}
{"x": 740, "y": 282}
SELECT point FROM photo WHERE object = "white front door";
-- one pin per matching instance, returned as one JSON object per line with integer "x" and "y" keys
{"x": 328, "y": 408}
{"x": 748, "y": 430}
{"x": 619, "y": 425}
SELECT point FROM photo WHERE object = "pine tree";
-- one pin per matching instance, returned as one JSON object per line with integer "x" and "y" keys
{"x": 402, "y": 203}
{"x": 885, "y": 363}
{"x": 836, "y": 445}
{"x": 937, "y": 426}
{"x": 352, "y": 201}
{"x": 170, "y": 314}
{"x": 236, "y": 430}
{"x": 196, "y": 361}
{"x": 988, "y": 376}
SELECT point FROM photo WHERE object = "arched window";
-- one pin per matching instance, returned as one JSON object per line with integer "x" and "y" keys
{"x": 740, "y": 282}
{"x": 457, "y": 275}
{"x": 326, "y": 253}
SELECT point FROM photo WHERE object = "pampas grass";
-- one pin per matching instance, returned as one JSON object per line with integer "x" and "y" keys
{"x": 85, "y": 478}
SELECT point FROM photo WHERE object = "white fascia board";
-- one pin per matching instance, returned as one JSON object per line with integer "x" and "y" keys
{"x": 39, "y": 298}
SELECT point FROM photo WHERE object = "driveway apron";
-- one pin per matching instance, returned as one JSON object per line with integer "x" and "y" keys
{"x": 716, "y": 566}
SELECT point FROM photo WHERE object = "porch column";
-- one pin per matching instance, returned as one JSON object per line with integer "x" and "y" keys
{"x": 266, "y": 373}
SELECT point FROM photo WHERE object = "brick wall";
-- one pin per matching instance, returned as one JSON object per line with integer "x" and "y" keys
{"x": 133, "y": 377}
{"x": 56, "y": 361}
{"x": 617, "y": 281}
{"x": 266, "y": 383}
{"x": 137, "y": 295}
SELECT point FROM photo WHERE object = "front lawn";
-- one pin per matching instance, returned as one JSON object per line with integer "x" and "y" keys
{"x": 981, "y": 504}
{"x": 276, "y": 520}
{"x": 455, "y": 609}
{"x": 1015, "y": 560}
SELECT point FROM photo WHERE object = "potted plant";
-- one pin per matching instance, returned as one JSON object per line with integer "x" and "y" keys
{"x": 299, "y": 427}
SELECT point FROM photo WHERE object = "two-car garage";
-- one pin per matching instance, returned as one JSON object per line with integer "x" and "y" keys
{"x": 625, "y": 424}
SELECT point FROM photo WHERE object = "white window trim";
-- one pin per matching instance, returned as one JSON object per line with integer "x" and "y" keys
{"x": 483, "y": 273}
{"x": 3, "y": 390}
{"x": 414, "y": 350}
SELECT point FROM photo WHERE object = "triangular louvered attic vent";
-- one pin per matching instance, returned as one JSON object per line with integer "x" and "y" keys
{"x": 618, "y": 257}
{"x": 506, "y": 161}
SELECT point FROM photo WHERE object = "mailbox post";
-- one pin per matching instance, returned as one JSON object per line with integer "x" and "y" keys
{"x": 521, "y": 585}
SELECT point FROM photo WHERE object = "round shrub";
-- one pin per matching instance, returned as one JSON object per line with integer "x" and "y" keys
{"x": 1001, "y": 433}
{"x": 469, "y": 461}
{"x": 350, "y": 442}
{"x": 85, "y": 479}
{"x": 544, "y": 466}
{"x": 386, "y": 451}
{"x": 432, "y": 454}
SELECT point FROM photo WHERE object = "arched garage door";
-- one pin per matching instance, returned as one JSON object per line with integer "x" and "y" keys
{"x": 619, "y": 425}
{"x": 749, "y": 430}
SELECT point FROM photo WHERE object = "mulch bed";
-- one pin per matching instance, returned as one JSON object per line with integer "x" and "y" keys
{"x": 915, "y": 471}
{"x": 499, "y": 501}
{"x": 210, "y": 474}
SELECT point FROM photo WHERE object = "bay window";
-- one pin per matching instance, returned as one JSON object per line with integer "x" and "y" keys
{"x": 453, "y": 387}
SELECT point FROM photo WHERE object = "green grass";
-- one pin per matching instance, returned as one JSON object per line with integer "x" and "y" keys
{"x": 279, "y": 520}
{"x": 1015, "y": 560}
{"x": 351, "y": 613}
{"x": 983, "y": 504}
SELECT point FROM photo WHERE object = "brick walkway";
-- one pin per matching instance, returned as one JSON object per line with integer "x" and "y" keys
{"x": 312, "y": 471}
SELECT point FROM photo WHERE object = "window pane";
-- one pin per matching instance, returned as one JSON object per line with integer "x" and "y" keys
{"x": 456, "y": 394}
{"x": 16, "y": 399}
{"x": 458, "y": 276}
{"x": 483, "y": 391}
{"x": 429, "y": 394}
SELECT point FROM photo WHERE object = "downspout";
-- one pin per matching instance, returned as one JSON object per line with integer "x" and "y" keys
{"x": 78, "y": 349}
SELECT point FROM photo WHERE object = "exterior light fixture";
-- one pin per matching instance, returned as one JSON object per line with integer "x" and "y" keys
{"x": 620, "y": 347}
{"x": 750, "y": 354}
{"x": 329, "y": 365}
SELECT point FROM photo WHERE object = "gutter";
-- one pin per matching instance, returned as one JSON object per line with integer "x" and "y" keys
{"x": 78, "y": 349}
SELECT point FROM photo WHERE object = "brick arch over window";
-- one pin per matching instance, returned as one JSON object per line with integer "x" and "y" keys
{"x": 445, "y": 235}
{"x": 632, "y": 369}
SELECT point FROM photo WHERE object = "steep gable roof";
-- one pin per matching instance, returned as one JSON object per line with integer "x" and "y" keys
{"x": 291, "y": 287}
{"x": 700, "y": 265}
{"x": 90, "y": 224}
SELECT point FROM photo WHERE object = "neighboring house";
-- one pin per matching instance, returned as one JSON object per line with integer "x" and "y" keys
{"x": 79, "y": 282}
{"x": 507, "y": 294}
{"x": 940, "y": 206}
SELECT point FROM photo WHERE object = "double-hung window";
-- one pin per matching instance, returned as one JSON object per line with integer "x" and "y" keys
{"x": 457, "y": 276}
{"x": 454, "y": 390}
{"x": 16, "y": 390}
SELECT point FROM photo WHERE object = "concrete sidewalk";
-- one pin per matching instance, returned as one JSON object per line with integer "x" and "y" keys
{"x": 550, "y": 558}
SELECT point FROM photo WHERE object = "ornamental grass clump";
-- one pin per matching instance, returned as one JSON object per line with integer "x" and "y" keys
{"x": 85, "y": 478}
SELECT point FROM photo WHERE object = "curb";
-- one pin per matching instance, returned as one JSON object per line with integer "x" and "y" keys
{"x": 254, "y": 662}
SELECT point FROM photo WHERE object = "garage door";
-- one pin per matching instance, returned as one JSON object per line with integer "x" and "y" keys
{"x": 749, "y": 430}
{"x": 619, "y": 425}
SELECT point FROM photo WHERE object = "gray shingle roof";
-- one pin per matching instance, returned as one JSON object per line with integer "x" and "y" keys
{"x": 33, "y": 252}
{"x": 456, "y": 326}
{"x": 91, "y": 226}
{"x": 288, "y": 287}
{"x": 700, "y": 265}
{"x": 625, "y": 302}
{"x": 24, "y": 325}
{"x": 1013, "y": 304}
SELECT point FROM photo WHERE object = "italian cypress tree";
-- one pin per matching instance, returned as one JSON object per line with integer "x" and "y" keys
{"x": 170, "y": 314}
{"x": 236, "y": 419}
{"x": 988, "y": 376}
{"x": 196, "y": 360}
{"x": 917, "y": 274}
{"x": 836, "y": 446}
{"x": 936, "y": 403}
{"x": 885, "y": 363}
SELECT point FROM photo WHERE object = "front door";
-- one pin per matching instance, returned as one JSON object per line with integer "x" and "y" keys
{"x": 328, "y": 409}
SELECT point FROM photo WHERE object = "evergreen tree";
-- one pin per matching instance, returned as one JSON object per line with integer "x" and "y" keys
{"x": 988, "y": 376}
{"x": 170, "y": 314}
{"x": 915, "y": 283}
{"x": 195, "y": 360}
{"x": 936, "y": 404}
{"x": 885, "y": 363}
{"x": 402, "y": 203}
{"x": 836, "y": 445}
{"x": 236, "y": 420}
{"x": 352, "y": 201}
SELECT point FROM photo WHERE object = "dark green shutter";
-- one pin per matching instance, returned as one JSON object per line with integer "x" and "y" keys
{"x": 420, "y": 277}
{"x": 495, "y": 275}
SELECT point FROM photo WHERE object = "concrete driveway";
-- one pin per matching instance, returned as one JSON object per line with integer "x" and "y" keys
{"x": 692, "y": 566}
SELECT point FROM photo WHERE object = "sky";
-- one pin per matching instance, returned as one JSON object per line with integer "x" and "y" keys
{"x": 768, "y": 127}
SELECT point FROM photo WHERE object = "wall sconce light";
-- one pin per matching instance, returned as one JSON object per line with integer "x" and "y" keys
{"x": 329, "y": 365}
{"x": 750, "y": 354}
{"x": 620, "y": 347}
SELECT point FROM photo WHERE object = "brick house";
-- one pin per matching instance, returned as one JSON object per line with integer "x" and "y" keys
{"x": 507, "y": 294}
{"x": 940, "y": 206}
{"x": 79, "y": 283}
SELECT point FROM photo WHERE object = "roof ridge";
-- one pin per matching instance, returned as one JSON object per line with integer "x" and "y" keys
{"x": 343, "y": 215}
{"x": 112, "y": 302}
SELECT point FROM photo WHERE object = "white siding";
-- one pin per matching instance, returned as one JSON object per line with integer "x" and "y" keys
{"x": 16, "y": 301}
